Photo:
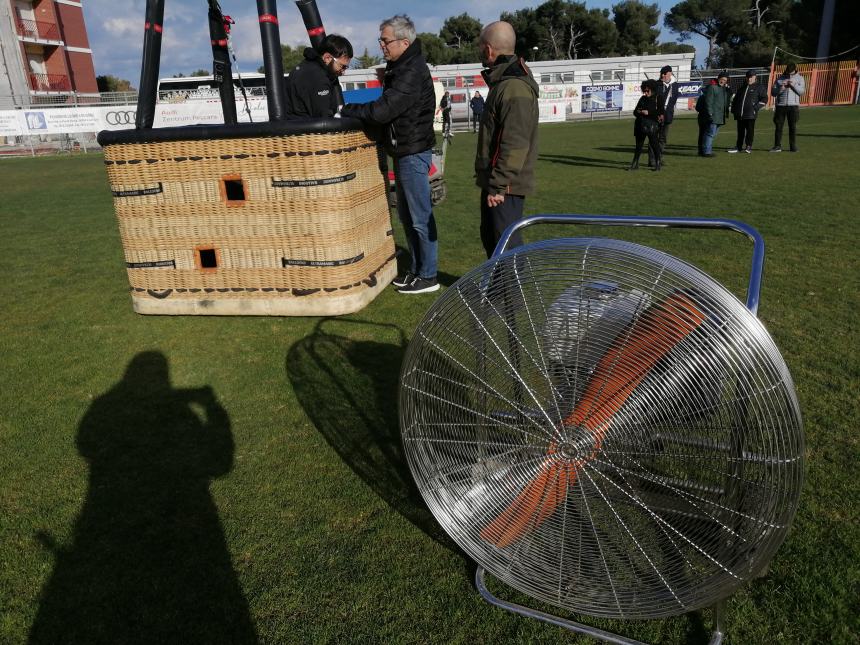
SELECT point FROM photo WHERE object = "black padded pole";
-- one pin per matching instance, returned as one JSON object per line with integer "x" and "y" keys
{"x": 149, "y": 65}
{"x": 221, "y": 69}
{"x": 313, "y": 22}
{"x": 273, "y": 66}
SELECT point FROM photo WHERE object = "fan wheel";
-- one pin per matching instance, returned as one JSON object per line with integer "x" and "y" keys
{"x": 603, "y": 427}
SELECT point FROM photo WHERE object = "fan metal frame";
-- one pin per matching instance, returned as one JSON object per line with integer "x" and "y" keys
{"x": 752, "y": 302}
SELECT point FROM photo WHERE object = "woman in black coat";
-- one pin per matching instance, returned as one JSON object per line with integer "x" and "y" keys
{"x": 649, "y": 114}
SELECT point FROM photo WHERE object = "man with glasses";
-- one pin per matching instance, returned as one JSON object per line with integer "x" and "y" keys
{"x": 405, "y": 111}
{"x": 312, "y": 88}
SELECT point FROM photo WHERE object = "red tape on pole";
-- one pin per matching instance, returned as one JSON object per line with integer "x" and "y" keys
{"x": 267, "y": 17}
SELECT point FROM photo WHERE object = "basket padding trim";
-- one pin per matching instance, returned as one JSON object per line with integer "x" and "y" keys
{"x": 235, "y": 131}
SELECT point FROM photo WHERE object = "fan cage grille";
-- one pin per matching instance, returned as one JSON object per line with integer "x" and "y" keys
{"x": 603, "y": 427}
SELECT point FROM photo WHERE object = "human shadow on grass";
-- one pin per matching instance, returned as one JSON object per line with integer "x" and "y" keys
{"x": 671, "y": 151}
{"x": 147, "y": 562}
{"x": 574, "y": 160}
{"x": 828, "y": 136}
{"x": 348, "y": 386}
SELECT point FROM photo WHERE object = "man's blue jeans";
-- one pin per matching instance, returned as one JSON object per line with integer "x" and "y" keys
{"x": 709, "y": 132}
{"x": 415, "y": 209}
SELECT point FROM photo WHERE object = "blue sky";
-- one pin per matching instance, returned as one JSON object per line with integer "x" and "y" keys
{"x": 115, "y": 28}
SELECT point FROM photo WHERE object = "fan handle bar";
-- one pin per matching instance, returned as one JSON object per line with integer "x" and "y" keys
{"x": 756, "y": 268}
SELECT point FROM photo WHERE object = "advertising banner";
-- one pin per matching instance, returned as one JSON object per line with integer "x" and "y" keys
{"x": 557, "y": 102}
{"x": 688, "y": 93}
{"x": 603, "y": 97}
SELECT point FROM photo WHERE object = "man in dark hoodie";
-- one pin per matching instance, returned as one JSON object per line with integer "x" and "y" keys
{"x": 406, "y": 109}
{"x": 312, "y": 88}
{"x": 507, "y": 141}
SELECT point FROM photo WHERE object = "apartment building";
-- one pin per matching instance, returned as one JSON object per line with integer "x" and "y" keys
{"x": 45, "y": 56}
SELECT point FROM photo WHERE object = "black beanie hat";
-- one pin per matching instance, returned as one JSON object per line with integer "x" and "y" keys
{"x": 751, "y": 73}
{"x": 665, "y": 69}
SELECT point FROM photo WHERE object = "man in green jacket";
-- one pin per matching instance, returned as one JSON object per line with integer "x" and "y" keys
{"x": 507, "y": 140}
{"x": 713, "y": 108}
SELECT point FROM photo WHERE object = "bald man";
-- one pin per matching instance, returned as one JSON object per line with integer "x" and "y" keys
{"x": 507, "y": 140}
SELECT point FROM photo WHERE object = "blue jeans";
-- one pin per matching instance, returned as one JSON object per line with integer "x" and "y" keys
{"x": 707, "y": 132}
{"x": 415, "y": 209}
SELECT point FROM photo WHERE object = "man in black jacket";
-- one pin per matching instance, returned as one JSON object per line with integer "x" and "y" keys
{"x": 406, "y": 110}
{"x": 745, "y": 106}
{"x": 312, "y": 88}
{"x": 667, "y": 96}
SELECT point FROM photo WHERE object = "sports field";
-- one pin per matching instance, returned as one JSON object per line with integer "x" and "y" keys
{"x": 296, "y": 521}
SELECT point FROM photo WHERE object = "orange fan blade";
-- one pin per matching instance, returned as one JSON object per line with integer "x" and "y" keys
{"x": 618, "y": 374}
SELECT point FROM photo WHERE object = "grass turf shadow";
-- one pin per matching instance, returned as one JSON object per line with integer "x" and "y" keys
{"x": 148, "y": 561}
{"x": 348, "y": 387}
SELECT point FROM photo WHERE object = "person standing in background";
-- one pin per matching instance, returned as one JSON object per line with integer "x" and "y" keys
{"x": 787, "y": 90}
{"x": 666, "y": 95}
{"x": 713, "y": 106}
{"x": 745, "y": 106}
{"x": 507, "y": 141}
{"x": 477, "y": 106}
{"x": 647, "y": 125}
{"x": 445, "y": 107}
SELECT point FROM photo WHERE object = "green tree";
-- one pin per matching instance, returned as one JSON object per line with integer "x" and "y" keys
{"x": 290, "y": 57}
{"x": 366, "y": 61}
{"x": 636, "y": 23}
{"x": 723, "y": 23}
{"x": 113, "y": 84}
{"x": 435, "y": 50}
{"x": 200, "y": 72}
{"x": 563, "y": 30}
{"x": 460, "y": 34}
{"x": 675, "y": 48}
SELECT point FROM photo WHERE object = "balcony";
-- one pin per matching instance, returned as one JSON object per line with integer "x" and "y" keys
{"x": 37, "y": 30}
{"x": 49, "y": 83}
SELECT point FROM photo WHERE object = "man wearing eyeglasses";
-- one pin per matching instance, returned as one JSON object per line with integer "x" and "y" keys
{"x": 405, "y": 111}
{"x": 312, "y": 88}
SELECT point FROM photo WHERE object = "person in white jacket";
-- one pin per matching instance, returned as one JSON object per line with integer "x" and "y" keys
{"x": 787, "y": 90}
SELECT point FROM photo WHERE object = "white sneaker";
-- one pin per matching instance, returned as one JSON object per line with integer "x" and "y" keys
{"x": 732, "y": 151}
{"x": 748, "y": 150}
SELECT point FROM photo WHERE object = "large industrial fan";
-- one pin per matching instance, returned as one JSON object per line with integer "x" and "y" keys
{"x": 604, "y": 427}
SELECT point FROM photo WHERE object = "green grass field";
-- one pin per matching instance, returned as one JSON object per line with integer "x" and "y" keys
{"x": 311, "y": 530}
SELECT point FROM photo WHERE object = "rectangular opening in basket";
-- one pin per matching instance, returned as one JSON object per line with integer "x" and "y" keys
{"x": 233, "y": 190}
{"x": 207, "y": 257}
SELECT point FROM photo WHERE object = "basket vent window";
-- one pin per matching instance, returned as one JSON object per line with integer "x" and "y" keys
{"x": 234, "y": 190}
{"x": 208, "y": 258}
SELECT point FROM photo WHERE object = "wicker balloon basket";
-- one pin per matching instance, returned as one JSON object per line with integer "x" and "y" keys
{"x": 278, "y": 218}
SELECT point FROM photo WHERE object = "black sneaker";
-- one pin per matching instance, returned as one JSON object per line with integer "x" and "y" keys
{"x": 775, "y": 149}
{"x": 403, "y": 280}
{"x": 420, "y": 285}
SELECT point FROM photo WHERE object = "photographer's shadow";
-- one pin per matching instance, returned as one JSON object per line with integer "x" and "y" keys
{"x": 348, "y": 387}
{"x": 148, "y": 562}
